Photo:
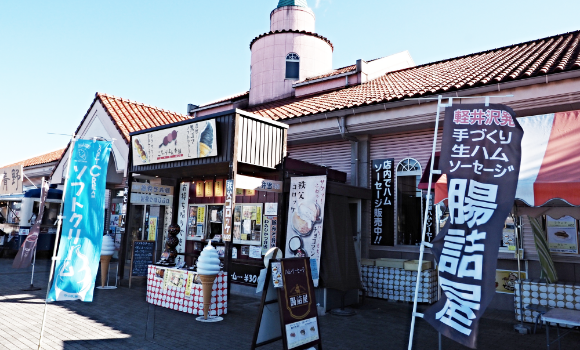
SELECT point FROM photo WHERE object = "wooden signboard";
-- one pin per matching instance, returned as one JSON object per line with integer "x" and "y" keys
{"x": 292, "y": 316}
{"x": 142, "y": 255}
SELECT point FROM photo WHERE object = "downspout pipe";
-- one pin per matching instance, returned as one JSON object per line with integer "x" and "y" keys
{"x": 348, "y": 137}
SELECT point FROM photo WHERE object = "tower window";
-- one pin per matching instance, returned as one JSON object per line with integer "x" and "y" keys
{"x": 292, "y": 66}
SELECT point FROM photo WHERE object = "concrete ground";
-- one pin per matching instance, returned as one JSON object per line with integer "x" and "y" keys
{"x": 121, "y": 319}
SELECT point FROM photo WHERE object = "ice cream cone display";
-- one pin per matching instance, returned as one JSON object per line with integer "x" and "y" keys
{"x": 107, "y": 251}
{"x": 208, "y": 267}
{"x": 206, "y": 141}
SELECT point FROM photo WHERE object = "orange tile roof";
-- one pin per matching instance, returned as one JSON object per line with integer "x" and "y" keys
{"x": 338, "y": 71}
{"x": 129, "y": 116}
{"x": 42, "y": 159}
{"x": 555, "y": 54}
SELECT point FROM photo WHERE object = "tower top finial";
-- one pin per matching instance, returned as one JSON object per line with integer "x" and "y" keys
{"x": 283, "y": 3}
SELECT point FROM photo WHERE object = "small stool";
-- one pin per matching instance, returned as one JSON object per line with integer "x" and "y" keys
{"x": 540, "y": 309}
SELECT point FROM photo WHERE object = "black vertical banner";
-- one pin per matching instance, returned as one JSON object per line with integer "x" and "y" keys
{"x": 480, "y": 153}
{"x": 383, "y": 205}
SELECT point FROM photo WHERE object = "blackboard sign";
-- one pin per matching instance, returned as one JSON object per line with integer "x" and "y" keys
{"x": 142, "y": 255}
{"x": 244, "y": 274}
{"x": 288, "y": 284}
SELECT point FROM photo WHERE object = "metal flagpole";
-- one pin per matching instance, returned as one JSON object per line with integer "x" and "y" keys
{"x": 32, "y": 287}
{"x": 423, "y": 243}
{"x": 57, "y": 238}
{"x": 431, "y": 172}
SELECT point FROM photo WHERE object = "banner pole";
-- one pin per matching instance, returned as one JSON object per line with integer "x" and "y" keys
{"x": 57, "y": 238}
{"x": 423, "y": 231}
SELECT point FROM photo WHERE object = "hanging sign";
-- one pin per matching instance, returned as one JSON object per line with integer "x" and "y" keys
{"x": 305, "y": 219}
{"x": 151, "y": 199}
{"x": 152, "y": 189}
{"x": 480, "y": 153}
{"x": 182, "y": 218}
{"x": 194, "y": 140}
{"x": 228, "y": 211}
{"x": 209, "y": 188}
{"x": 219, "y": 188}
{"x": 199, "y": 189}
{"x": 83, "y": 225}
{"x": 26, "y": 251}
{"x": 383, "y": 202}
{"x": 152, "y": 234}
{"x": 256, "y": 183}
{"x": 11, "y": 179}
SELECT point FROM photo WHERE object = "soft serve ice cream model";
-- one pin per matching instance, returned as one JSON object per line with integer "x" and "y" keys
{"x": 107, "y": 251}
{"x": 208, "y": 267}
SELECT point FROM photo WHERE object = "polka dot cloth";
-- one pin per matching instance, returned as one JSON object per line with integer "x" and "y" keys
{"x": 175, "y": 298}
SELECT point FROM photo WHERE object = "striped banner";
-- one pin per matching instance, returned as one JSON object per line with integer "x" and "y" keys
{"x": 548, "y": 269}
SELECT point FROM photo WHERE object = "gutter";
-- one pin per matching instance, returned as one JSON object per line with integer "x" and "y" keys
{"x": 538, "y": 80}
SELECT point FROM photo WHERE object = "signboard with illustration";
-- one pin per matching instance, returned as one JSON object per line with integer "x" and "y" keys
{"x": 194, "y": 140}
{"x": 562, "y": 234}
{"x": 305, "y": 219}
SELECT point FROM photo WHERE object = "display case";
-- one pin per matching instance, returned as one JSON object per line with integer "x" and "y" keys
{"x": 248, "y": 224}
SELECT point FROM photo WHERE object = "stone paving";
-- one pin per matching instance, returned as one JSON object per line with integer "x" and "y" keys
{"x": 121, "y": 319}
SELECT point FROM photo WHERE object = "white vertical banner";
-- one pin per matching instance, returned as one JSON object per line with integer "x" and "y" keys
{"x": 182, "y": 217}
{"x": 305, "y": 218}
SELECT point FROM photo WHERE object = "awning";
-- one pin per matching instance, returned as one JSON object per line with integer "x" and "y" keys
{"x": 550, "y": 166}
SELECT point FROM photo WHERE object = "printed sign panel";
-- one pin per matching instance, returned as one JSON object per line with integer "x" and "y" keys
{"x": 256, "y": 183}
{"x": 228, "y": 211}
{"x": 305, "y": 219}
{"x": 182, "y": 219}
{"x": 154, "y": 199}
{"x": 11, "y": 179}
{"x": 82, "y": 228}
{"x": 480, "y": 153}
{"x": 194, "y": 140}
{"x": 383, "y": 202}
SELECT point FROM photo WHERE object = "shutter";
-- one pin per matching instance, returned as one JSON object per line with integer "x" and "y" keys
{"x": 334, "y": 154}
{"x": 415, "y": 144}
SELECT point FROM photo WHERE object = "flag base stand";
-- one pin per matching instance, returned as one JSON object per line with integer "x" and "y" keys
{"x": 106, "y": 287}
{"x": 31, "y": 288}
{"x": 522, "y": 329}
{"x": 210, "y": 319}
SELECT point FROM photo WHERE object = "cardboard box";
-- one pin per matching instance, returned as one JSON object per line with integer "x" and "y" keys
{"x": 412, "y": 265}
{"x": 388, "y": 262}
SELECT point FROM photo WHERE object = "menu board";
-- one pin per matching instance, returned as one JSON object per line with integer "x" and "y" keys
{"x": 562, "y": 234}
{"x": 142, "y": 255}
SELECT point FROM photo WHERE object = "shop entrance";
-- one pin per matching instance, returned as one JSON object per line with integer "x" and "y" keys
{"x": 144, "y": 223}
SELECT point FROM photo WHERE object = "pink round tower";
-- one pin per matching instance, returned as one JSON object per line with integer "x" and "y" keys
{"x": 290, "y": 52}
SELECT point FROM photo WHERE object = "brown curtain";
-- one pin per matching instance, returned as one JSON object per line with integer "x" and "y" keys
{"x": 338, "y": 266}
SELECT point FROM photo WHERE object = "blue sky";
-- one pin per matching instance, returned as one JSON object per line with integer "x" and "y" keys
{"x": 56, "y": 54}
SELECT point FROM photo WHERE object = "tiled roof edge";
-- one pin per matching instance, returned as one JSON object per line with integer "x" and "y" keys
{"x": 292, "y": 31}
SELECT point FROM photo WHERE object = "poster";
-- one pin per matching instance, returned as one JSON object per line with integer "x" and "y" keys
{"x": 219, "y": 188}
{"x": 383, "y": 202}
{"x": 176, "y": 278}
{"x": 182, "y": 219}
{"x": 480, "y": 154}
{"x": 82, "y": 230}
{"x": 152, "y": 228}
{"x": 271, "y": 209}
{"x": 192, "y": 222}
{"x": 305, "y": 219}
{"x": 505, "y": 281}
{"x": 208, "y": 188}
{"x": 194, "y": 140}
{"x": 562, "y": 234}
